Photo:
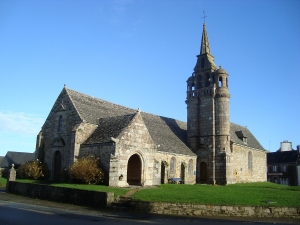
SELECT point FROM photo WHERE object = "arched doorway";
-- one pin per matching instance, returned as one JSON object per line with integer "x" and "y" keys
{"x": 134, "y": 170}
{"x": 56, "y": 165}
{"x": 203, "y": 172}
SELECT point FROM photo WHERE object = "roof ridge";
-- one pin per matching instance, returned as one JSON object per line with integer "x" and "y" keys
{"x": 107, "y": 117}
{"x": 73, "y": 103}
{"x": 99, "y": 99}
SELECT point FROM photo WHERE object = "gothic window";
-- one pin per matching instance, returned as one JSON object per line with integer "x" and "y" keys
{"x": 249, "y": 161}
{"x": 172, "y": 165}
{"x": 226, "y": 82}
{"x": 59, "y": 123}
{"x": 190, "y": 167}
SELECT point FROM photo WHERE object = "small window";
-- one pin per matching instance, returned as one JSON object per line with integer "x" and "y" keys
{"x": 274, "y": 168}
{"x": 220, "y": 81}
{"x": 59, "y": 123}
{"x": 284, "y": 168}
{"x": 245, "y": 140}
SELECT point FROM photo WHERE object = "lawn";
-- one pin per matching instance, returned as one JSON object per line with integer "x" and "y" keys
{"x": 236, "y": 194}
{"x": 252, "y": 194}
{"x": 2, "y": 182}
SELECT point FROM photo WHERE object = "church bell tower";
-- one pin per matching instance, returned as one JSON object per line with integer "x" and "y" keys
{"x": 208, "y": 123}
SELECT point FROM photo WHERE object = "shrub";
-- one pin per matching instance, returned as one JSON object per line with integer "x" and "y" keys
{"x": 87, "y": 170}
{"x": 33, "y": 170}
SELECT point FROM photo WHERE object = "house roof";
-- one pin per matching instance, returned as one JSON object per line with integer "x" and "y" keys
{"x": 169, "y": 134}
{"x": 238, "y": 132}
{"x": 16, "y": 158}
{"x": 282, "y": 157}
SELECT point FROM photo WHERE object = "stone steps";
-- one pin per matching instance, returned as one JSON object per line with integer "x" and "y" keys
{"x": 122, "y": 204}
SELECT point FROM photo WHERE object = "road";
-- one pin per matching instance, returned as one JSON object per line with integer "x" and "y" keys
{"x": 16, "y": 210}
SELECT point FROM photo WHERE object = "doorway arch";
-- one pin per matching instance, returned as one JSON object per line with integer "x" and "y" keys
{"x": 203, "y": 172}
{"x": 134, "y": 170}
{"x": 56, "y": 165}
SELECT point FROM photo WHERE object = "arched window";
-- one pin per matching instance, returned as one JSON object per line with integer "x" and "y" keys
{"x": 190, "y": 167}
{"x": 59, "y": 123}
{"x": 220, "y": 81}
{"x": 249, "y": 161}
{"x": 172, "y": 165}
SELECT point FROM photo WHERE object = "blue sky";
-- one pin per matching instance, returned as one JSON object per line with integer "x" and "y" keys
{"x": 139, "y": 53}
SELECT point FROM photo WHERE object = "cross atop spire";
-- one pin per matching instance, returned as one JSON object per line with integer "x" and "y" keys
{"x": 204, "y": 42}
{"x": 204, "y": 16}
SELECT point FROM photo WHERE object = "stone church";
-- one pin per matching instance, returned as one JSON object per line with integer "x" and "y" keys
{"x": 138, "y": 148}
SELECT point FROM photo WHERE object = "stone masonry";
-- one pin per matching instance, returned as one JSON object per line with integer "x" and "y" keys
{"x": 223, "y": 148}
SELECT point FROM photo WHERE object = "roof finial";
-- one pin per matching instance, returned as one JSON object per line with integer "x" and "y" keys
{"x": 204, "y": 16}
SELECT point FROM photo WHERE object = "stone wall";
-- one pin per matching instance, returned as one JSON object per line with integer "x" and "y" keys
{"x": 57, "y": 134}
{"x": 60, "y": 194}
{"x": 135, "y": 139}
{"x": 214, "y": 210}
{"x": 103, "y": 152}
{"x": 103, "y": 199}
{"x": 256, "y": 171}
{"x": 182, "y": 165}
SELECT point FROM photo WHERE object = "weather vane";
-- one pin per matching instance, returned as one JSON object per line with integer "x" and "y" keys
{"x": 204, "y": 16}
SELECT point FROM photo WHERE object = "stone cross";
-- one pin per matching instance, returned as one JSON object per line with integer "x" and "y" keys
{"x": 204, "y": 16}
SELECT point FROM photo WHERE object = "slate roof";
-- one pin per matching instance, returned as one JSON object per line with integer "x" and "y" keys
{"x": 168, "y": 133}
{"x": 278, "y": 157}
{"x": 238, "y": 131}
{"x": 109, "y": 127}
{"x": 16, "y": 158}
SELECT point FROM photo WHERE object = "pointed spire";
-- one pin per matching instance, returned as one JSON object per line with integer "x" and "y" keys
{"x": 205, "y": 60}
{"x": 204, "y": 42}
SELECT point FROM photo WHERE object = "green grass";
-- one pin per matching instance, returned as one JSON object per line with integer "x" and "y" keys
{"x": 236, "y": 194}
{"x": 90, "y": 187}
{"x": 2, "y": 182}
{"x": 251, "y": 194}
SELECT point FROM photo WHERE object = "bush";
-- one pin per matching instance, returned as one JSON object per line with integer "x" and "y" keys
{"x": 33, "y": 170}
{"x": 87, "y": 170}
